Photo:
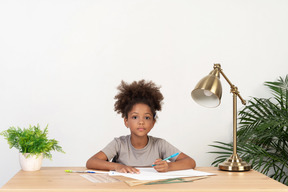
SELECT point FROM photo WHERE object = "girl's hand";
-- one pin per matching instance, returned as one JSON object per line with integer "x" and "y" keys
{"x": 161, "y": 166}
{"x": 126, "y": 169}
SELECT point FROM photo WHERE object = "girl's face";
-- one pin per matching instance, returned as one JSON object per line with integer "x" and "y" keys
{"x": 140, "y": 120}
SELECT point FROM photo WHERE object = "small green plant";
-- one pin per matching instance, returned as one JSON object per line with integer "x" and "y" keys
{"x": 31, "y": 140}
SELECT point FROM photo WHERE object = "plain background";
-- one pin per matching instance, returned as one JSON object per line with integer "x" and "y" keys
{"x": 61, "y": 61}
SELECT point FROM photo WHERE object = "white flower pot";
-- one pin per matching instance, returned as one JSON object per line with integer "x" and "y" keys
{"x": 32, "y": 163}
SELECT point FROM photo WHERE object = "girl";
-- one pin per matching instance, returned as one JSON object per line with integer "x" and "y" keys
{"x": 137, "y": 103}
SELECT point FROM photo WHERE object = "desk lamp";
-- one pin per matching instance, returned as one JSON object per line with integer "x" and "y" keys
{"x": 208, "y": 93}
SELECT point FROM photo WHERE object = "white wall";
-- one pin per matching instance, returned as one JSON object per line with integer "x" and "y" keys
{"x": 61, "y": 61}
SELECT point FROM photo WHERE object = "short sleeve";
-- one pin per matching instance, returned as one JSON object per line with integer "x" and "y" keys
{"x": 111, "y": 149}
{"x": 167, "y": 149}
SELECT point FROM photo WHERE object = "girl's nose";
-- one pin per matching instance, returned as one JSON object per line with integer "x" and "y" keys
{"x": 141, "y": 122}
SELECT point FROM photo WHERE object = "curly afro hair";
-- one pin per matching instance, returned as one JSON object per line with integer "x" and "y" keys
{"x": 138, "y": 92}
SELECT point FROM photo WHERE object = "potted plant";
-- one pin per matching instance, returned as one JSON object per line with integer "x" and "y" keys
{"x": 263, "y": 133}
{"x": 33, "y": 145}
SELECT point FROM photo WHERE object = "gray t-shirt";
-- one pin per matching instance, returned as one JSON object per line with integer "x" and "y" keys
{"x": 124, "y": 152}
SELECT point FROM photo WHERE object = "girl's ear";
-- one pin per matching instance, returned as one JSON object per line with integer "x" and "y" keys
{"x": 126, "y": 122}
{"x": 154, "y": 121}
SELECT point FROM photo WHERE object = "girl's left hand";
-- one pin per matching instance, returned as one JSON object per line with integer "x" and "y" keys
{"x": 161, "y": 166}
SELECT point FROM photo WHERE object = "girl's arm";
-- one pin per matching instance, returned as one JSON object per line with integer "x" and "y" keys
{"x": 183, "y": 161}
{"x": 99, "y": 161}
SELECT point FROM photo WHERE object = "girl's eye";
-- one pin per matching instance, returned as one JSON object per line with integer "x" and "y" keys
{"x": 147, "y": 118}
{"x": 134, "y": 117}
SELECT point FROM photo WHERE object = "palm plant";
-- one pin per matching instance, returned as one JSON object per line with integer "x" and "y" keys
{"x": 262, "y": 137}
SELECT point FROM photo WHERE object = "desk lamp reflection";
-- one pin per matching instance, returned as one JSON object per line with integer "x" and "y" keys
{"x": 208, "y": 93}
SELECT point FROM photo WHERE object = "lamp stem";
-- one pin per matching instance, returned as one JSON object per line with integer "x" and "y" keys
{"x": 234, "y": 124}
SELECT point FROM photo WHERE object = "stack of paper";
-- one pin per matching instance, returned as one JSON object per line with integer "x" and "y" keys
{"x": 152, "y": 174}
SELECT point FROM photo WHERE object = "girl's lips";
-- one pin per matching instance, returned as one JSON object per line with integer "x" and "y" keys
{"x": 141, "y": 129}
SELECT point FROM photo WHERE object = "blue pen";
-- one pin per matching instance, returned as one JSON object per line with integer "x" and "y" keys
{"x": 70, "y": 171}
{"x": 168, "y": 158}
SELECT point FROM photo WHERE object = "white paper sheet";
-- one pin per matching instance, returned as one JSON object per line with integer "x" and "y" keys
{"x": 152, "y": 174}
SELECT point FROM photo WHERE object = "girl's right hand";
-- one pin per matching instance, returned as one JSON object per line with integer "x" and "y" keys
{"x": 126, "y": 169}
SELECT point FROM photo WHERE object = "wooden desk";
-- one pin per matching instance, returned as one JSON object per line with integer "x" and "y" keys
{"x": 55, "y": 179}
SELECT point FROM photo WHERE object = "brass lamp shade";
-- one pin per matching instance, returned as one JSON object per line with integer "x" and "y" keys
{"x": 208, "y": 91}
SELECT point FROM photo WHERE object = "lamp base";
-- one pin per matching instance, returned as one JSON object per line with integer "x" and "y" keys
{"x": 234, "y": 163}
